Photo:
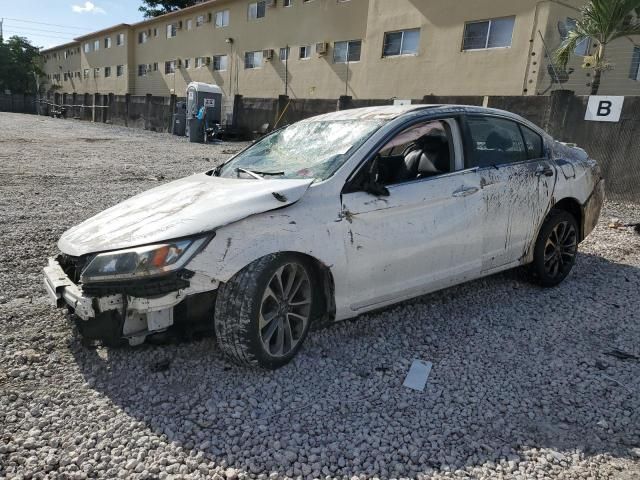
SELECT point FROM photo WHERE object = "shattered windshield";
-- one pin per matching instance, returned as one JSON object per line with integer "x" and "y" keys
{"x": 312, "y": 149}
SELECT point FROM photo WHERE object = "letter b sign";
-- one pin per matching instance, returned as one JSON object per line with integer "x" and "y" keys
{"x": 604, "y": 109}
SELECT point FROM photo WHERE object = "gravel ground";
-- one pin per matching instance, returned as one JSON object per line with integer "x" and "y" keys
{"x": 524, "y": 384}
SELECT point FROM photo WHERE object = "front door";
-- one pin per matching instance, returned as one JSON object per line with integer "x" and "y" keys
{"x": 517, "y": 185}
{"x": 427, "y": 233}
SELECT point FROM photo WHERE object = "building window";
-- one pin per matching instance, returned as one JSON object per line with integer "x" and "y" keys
{"x": 172, "y": 30}
{"x": 287, "y": 3}
{"x": 257, "y": 10}
{"x": 85, "y": 73}
{"x": 155, "y": 66}
{"x": 495, "y": 33}
{"x": 107, "y": 42}
{"x": 143, "y": 37}
{"x": 253, "y": 59}
{"x": 119, "y": 70}
{"x": 66, "y": 54}
{"x": 220, "y": 63}
{"x": 284, "y": 53}
{"x": 170, "y": 67}
{"x": 189, "y": 24}
{"x": 582, "y": 49}
{"x": 96, "y": 72}
{"x": 201, "y": 62}
{"x": 142, "y": 70}
{"x": 187, "y": 63}
{"x": 107, "y": 71}
{"x": 87, "y": 48}
{"x": 155, "y": 32}
{"x": 96, "y": 45}
{"x": 344, "y": 52}
{"x": 120, "y": 39}
{"x": 222, "y": 18}
{"x": 634, "y": 74}
{"x": 66, "y": 76}
{"x": 305, "y": 52}
{"x": 404, "y": 42}
{"x": 199, "y": 20}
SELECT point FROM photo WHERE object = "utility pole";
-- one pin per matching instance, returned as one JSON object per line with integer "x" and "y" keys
{"x": 1, "y": 22}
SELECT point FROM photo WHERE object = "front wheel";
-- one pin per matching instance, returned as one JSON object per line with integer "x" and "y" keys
{"x": 555, "y": 249}
{"x": 263, "y": 313}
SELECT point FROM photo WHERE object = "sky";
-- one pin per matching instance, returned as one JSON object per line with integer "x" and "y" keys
{"x": 47, "y": 23}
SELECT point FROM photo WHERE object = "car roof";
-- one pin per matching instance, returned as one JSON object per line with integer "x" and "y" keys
{"x": 391, "y": 112}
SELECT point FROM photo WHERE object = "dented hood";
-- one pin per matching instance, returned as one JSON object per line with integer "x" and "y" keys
{"x": 192, "y": 205}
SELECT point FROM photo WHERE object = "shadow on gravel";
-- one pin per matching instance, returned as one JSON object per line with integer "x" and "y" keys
{"x": 516, "y": 368}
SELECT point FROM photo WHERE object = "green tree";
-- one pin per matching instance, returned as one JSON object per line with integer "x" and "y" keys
{"x": 154, "y": 8}
{"x": 19, "y": 65}
{"x": 602, "y": 21}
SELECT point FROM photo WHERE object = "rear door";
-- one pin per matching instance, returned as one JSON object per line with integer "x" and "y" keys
{"x": 517, "y": 180}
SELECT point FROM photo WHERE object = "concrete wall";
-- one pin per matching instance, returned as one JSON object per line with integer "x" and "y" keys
{"x": 18, "y": 102}
{"x": 614, "y": 145}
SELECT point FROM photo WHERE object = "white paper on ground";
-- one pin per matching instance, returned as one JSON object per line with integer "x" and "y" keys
{"x": 418, "y": 375}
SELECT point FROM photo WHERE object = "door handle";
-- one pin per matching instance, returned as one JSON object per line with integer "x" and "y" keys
{"x": 465, "y": 191}
{"x": 545, "y": 170}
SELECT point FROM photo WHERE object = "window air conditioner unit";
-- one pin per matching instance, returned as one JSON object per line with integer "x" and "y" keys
{"x": 322, "y": 48}
{"x": 267, "y": 54}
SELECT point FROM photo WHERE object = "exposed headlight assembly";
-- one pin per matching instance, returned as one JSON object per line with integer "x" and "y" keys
{"x": 141, "y": 262}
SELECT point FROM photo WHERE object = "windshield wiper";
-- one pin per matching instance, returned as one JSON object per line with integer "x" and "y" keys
{"x": 249, "y": 172}
{"x": 259, "y": 175}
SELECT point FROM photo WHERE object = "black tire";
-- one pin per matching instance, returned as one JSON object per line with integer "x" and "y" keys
{"x": 555, "y": 250}
{"x": 239, "y": 307}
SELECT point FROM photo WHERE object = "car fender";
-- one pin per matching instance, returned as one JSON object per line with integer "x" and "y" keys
{"x": 310, "y": 227}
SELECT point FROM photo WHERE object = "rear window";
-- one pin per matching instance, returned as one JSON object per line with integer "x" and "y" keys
{"x": 494, "y": 141}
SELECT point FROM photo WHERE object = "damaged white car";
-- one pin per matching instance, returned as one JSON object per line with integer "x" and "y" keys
{"x": 324, "y": 220}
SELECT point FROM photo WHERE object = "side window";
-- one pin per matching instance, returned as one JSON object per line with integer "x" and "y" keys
{"x": 421, "y": 151}
{"x": 534, "y": 143}
{"x": 494, "y": 141}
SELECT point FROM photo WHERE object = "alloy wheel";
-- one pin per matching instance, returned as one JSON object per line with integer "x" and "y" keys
{"x": 560, "y": 249}
{"x": 285, "y": 310}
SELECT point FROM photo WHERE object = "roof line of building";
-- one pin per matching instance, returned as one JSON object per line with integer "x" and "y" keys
{"x": 183, "y": 11}
{"x": 104, "y": 30}
{"x": 192, "y": 8}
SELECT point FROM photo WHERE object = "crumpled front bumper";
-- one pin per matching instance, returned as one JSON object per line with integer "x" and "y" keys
{"x": 62, "y": 291}
{"x": 142, "y": 317}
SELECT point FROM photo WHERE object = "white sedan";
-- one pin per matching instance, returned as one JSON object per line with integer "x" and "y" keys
{"x": 324, "y": 220}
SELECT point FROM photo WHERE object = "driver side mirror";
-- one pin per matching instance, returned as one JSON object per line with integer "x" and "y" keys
{"x": 373, "y": 184}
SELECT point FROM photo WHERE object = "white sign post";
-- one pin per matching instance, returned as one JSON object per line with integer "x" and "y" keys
{"x": 604, "y": 109}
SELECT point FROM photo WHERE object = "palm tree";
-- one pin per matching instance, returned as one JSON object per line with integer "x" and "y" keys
{"x": 602, "y": 21}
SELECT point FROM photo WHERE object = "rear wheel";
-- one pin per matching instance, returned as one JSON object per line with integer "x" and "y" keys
{"x": 555, "y": 249}
{"x": 263, "y": 313}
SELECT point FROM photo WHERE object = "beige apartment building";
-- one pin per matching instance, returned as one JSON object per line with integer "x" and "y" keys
{"x": 366, "y": 49}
